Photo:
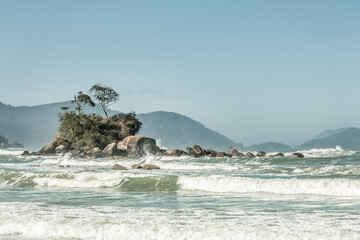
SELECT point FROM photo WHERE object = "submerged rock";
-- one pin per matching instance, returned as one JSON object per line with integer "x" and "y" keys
{"x": 150, "y": 167}
{"x": 136, "y": 166}
{"x": 119, "y": 167}
{"x": 298, "y": 154}
{"x": 221, "y": 154}
{"x": 279, "y": 154}
{"x": 249, "y": 155}
{"x": 261, "y": 154}
{"x": 175, "y": 152}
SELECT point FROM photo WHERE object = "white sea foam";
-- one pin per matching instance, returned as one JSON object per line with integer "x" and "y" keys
{"x": 327, "y": 152}
{"x": 34, "y": 221}
{"x": 10, "y": 152}
{"x": 334, "y": 187}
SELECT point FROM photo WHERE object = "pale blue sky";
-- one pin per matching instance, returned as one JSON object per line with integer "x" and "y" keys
{"x": 253, "y": 70}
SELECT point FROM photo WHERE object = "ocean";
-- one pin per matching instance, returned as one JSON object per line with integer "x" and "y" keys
{"x": 316, "y": 197}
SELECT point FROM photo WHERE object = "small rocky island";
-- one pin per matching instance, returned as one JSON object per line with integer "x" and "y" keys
{"x": 92, "y": 136}
{"x": 4, "y": 143}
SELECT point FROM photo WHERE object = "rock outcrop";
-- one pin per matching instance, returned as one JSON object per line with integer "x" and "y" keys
{"x": 119, "y": 167}
{"x": 250, "y": 155}
{"x": 138, "y": 146}
{"x": 298, "y": 154}
{"x": 49, "y": 148}
{"x": 150, "y": 167}
{"x": 261, "y": 154}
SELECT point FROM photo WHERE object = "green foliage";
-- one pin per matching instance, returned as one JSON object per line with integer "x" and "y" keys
{"x": 104, "y": 95}
{"x": 81, "y": 100}
{"x": 82, "y": 131}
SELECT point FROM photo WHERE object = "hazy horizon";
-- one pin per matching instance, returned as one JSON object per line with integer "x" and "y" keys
{"x": 252, "y": 71}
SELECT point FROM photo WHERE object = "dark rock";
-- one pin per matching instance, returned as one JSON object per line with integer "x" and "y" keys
{"x": 62, "y": 149}
{"x": 261, "y": 154}
{"x": 233, "y": 151}
{"x": 299, "y": 155}
{"x": 150, "y": 167}
{"x": 136, "y": 166}
{"x": 160, "y": 150}
{"x": 221, "y": 154}
{"x": 25, "y": 153}
{"x": 198, "y": 150}
{"x": 119, "y": 167}
{"x": 77, "y": 152}
{"x": 110, "y": 149}
{"x": 210, "y": 153}
{"x": 189, "y": 151}
{"x": 138, "y": 146}
{"x": 279, "y": 154}
{"x": 49, "y": 148}
{"x": 175, "y": 152}
{"x": 249, "y": 155}
{"x": 159, "y": 154}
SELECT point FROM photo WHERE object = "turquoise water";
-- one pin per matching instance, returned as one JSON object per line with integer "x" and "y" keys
{"x": 317, "y": 197}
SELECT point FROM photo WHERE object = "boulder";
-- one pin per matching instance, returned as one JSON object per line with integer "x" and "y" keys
{"x": 160, "y": 150}
{"x": 138, "y": 146}
{"x": 279, "y": 154}
{"x": 210, "y": 153}
{"x": 136, "y": 166}
{"x": 25, "y": 153}
{"x": 261, "y": 154}
{"x": 94, "y": 150}
{"x": 150, "y": 167}
{"x": 221, "y": 154}
{"x": 189, "y": 151}
{"x": 110, "y": 149}
{"x": 198, "y": 150}
{"x": 233, "y": 151}
{"x": 61, "y": 149}
{"x": 298, "y": 154}
{"x": 119, "y": 167}
{"x": 175, "y": 152}
{"x": 240, "y": 154}
{"x": 249, "y": 155}
{"x": 49, "y": 148}
{"x": 159, "y": 154}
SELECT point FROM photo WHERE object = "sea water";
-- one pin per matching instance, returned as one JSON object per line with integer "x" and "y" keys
{"x": 316, "y": 197}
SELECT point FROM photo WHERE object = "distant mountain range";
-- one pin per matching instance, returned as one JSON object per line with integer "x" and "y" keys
{"x": 270, "y": 147}
{"x": 34, "y": 126}
{"x": 178, "y": 131}
{"x": 347, "y": 138}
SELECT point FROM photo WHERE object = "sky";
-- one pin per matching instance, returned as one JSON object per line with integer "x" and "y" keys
{"x": 255, "y": 71}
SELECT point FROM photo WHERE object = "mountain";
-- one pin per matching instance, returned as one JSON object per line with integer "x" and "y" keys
{"x": 328, "y": 133}
{"x": 270, "y": 147}
{"x": 178, "y": 131}
{"x": 34, "y": 126}
{"x": 347, "y": 138}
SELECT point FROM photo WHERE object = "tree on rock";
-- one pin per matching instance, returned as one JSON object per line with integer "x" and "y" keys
{"x": 104, "y": 95}
{"x": 81, "y": 100}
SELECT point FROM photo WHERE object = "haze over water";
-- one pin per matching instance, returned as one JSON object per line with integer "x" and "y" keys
{"x": 317, "y": 197}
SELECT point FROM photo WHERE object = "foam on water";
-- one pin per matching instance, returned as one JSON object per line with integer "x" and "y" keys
{"x": 34, "y": 221}
{"x": 10, "y": 152}
{"x": 223, "y": 184}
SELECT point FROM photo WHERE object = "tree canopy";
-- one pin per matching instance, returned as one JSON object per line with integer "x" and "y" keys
{"x": 104, "y": 95}
{"x": 81, "y": 100}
